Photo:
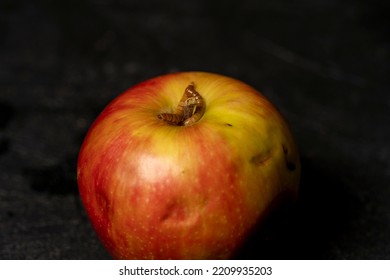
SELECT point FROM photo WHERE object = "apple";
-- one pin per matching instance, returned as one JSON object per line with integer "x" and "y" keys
{"x": 156, "y": 185}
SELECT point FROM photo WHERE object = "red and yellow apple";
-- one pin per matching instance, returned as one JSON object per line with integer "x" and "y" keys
{"x": 157, "y": 190}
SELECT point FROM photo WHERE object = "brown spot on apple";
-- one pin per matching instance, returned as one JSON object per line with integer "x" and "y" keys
{"x": 290, "y": 165}
{"x": 285, "y": 150}
{"x": 261, "y": 158}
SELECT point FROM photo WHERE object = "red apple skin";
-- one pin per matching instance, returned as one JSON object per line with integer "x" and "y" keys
{"x": 158, "y": 191}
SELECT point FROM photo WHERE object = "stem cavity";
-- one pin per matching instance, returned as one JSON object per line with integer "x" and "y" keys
{"x": 190, "y": 109}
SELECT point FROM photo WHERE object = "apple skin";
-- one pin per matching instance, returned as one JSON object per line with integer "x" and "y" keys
{"x": 158, "y": 191}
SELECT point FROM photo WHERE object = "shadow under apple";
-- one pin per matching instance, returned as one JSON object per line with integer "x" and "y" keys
{"x": 311, "y": 228}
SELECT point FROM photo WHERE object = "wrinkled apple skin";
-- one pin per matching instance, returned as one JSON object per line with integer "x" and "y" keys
{"x": 158, "y": 191}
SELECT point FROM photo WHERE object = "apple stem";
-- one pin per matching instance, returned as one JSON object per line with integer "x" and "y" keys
{"x": 189, "y": 111}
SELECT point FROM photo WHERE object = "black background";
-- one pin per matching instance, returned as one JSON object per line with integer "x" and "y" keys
{"x": 323, "y": 63}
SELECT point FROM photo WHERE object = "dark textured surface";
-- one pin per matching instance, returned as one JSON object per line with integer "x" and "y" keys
{"x": 324, "y": 64}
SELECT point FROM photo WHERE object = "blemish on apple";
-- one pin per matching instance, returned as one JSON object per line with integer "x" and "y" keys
{"x": 102, "y": 202}
{"x": 174, "y": 211}
{"x": 290, "y": 165}
{"x": 261, "y": 158}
